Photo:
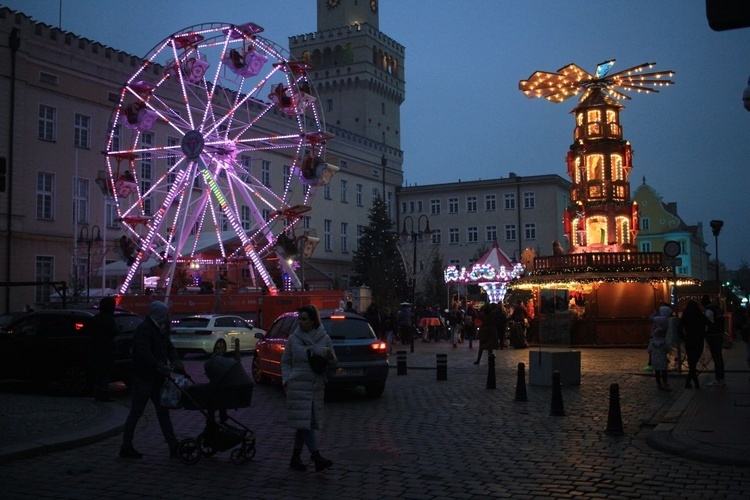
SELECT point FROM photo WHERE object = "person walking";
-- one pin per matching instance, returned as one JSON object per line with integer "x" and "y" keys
{"x": 487, "y": 331}
{"x": 405, "y": 323}
{"x": 714, "y": 339}
{"x": 154, "y": 358}
{"x": 102, "y": 330}
{"x": 659, "y": 351}
{"x": 692, "y": 330}
{"x": 501, "y": 323}
{"x": 305, "y": 389}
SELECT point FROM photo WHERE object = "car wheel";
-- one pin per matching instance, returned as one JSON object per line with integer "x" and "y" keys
{"x": 375, "y": 390}
{"x": 220, "y": 348}
{"x": 74, "y": 380}
{"x": 255, "y": 367}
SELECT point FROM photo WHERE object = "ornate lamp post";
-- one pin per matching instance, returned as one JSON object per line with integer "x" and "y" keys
{"x": 716, "y": 226}
{"x": 415, "y": 236}
{"x": 89, "y": 239}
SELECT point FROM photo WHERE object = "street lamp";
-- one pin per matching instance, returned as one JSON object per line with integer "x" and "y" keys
{"x": 716, "y": 226}
{"x": 89, "y": 239}
{"x": 415, "y": 236}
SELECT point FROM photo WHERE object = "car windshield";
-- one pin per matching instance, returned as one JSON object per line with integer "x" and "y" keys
{"x": 192, "y": 323}
{"x": 347, "y": 329}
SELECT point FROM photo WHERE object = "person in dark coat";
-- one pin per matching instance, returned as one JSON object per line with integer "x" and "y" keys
{"x": 501, "y": 322}
{"x": 154, "y": 358}
{"x": 103, "y": 331}
{"x": 487, "y": 331}
{"x": 692, "y": 330}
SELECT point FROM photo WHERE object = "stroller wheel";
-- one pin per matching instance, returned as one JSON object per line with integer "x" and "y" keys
{"x": 237, "y": 457}
{"x": 206, "y": 449}
{"x": 189, "y": 451}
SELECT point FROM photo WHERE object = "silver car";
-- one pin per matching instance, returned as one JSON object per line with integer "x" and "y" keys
{"x": 213, "y": 333}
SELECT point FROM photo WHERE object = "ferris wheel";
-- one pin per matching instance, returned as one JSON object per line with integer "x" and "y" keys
{"x": 215, "y": 148}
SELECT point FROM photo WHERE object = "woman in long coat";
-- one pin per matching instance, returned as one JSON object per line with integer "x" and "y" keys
{"x": 305, "y": 389}
{"x": 692, "y": 330}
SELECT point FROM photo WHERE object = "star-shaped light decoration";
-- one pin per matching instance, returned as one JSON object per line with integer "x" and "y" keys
{"x": 570, "y": 80}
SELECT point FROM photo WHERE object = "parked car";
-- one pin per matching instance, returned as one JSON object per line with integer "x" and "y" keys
{"x": 213, "y": 333}
{"x": 362, "y": 357}
{"x": 53, "y": 346}
{"x": 8, "y": 318}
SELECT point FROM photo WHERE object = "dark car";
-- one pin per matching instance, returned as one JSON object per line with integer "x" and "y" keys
{"x": 53, "y": 346}
{"x": 362, "y": 357}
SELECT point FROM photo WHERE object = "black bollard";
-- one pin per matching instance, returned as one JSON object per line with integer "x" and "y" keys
{"x": 521, "y": 383}
{"x": 237, "y": 356}
{"x": 556, "y": 409}
{"x": 400, "y": 362}
{"x": 614, "y": 418}
{"x": 442, "y": 366}
{"x": 491, "y": 370}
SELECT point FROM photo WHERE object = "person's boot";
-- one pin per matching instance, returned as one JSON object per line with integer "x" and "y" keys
{"x": 127, "y": 451}
{"x": 320, "y": 462}
{"x": 296, "y": 462}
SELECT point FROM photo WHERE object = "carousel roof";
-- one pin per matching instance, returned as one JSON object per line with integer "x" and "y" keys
{"x": 495, "y": 258}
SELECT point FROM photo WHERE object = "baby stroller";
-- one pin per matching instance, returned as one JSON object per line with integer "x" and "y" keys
{"x": 229, "y": 387}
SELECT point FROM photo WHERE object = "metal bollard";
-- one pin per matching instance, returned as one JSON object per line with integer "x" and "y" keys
{"x": 521, "y": 383}
{"x": 491, "y": 383}
{"x": 400, "y": 362}
{"x": 556, "y": 409}
{"x": 237, "y": 349}
{"x": 442, "y": 366}
{"x": 614, "y": 417}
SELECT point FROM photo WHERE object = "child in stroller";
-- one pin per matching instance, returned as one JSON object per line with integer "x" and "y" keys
{"x": 229, "y": 386}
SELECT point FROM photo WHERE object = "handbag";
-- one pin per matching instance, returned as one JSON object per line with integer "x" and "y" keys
{"x": 318, "y": 363}
{"x": 171, "y": 392}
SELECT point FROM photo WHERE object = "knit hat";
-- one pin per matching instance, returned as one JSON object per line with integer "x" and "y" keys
{"x": 158, "y": 311}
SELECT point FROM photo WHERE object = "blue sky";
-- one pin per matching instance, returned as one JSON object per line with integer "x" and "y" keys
{"x": 464, "y": 117}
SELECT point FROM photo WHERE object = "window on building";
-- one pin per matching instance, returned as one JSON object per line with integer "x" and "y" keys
{"x": 437, "y": 237}
{"x": 490, "y": 204}
{"x": 116, "y": 135}
{"x": 683, "y": 247}
{"x": 147, "y": 141}
{"x": 358, "y": 194}
{"x": 510, "y": 201}
{"x": 147, "y": 199}
{"x": 452, "y": 205}
{"x": 529, "y": 231}
{"x": 510, "y": 232}
{"x": 529, "y": 199}
{"x": 645, "y": 246}
{"x": 454, "y": 262}
{"x": 343, "y": 164}
{"x": 375, "y": 194}
{"x": 419, "y": 206}
{"x": 287, "y": 176}
{"x": 403, "y": 207}
{"x": 246, "y": 218}
{"x": 45, "y": 196}
{"x": 453, "y": 236}
{"x": 44, "y": 271}
{"x": 265, "y": 173}
{"x": 81, "y": 131}
{"x": 412, "y": 206}
{"x": 645, "y": 224}
{"x": 80, "y": 200}
{"x": 246, "y": 163}
{"x": 344, "y": 192}
{"x": 327, "y": 224}
{"x": 491, "y": 233}
{"x": 172, "y": 143}
{"x": 471, "y": 204}
{"x": 472, "y": 234}
{"x": 110, "y": 213}
{"x": 344, "y": 237}
{"x": 47, "y": 123}
{"x": 329, "y": 104}
{"x": 435, "y": 207}
{"x": 327, "y": 191}
{"x": 360, "y": 232}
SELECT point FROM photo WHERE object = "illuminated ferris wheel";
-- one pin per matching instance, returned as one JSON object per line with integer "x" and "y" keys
{"x": 198, "y": 129}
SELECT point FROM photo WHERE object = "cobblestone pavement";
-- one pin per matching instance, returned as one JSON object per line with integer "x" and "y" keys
{"x": 423, "y": 439}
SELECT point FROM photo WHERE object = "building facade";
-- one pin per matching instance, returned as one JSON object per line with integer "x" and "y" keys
{"x": 465, "y": 218}
{"x": 57, "y": 96}
{"x": 660, "y": 223}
